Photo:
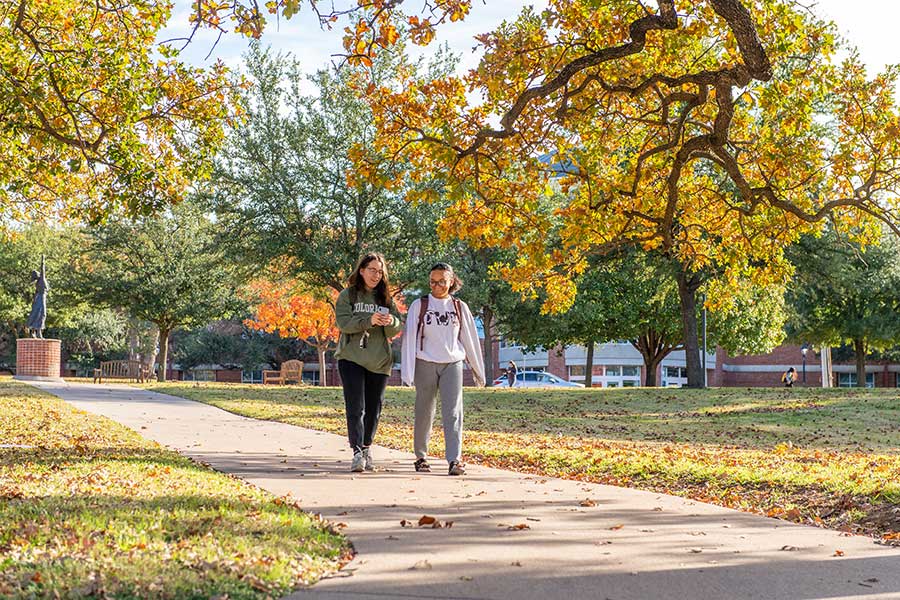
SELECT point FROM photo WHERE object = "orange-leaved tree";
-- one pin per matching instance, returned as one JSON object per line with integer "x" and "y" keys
{"x": 286, "y": 309}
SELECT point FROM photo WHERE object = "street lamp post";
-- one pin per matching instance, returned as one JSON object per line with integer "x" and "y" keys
{"x": 803, "y": 350}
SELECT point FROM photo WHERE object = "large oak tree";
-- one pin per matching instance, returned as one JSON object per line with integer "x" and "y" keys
{"x": 714, "y": 133}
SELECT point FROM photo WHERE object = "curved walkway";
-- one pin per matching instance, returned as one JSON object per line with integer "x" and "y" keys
{"x": 513, "y": 536}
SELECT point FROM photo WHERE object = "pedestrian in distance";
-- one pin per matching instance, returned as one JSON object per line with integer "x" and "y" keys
{"x": 440, "y": 336}
{"x": 511, "y": 372}
{"x": 367, "y": 320}
{"x": 789, "y": 377}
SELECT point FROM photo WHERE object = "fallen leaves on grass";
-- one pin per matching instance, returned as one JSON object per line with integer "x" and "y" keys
{"x": 153, "y": 523}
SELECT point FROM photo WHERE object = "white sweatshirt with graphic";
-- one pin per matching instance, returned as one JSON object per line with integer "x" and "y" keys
{"x": 445, "y": 339}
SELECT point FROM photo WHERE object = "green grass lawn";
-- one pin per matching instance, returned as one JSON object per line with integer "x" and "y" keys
{"x": 828, "y": 457}
{"x": 88, "y": 508}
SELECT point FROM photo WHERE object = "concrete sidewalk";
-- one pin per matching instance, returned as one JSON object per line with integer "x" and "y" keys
{"x": 622, "y": 544}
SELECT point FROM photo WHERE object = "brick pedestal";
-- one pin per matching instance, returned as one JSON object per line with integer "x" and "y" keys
{"x": 37, "y": 358}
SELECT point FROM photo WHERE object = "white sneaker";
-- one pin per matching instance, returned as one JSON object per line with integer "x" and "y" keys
{"x": 369, "y": 461}
{"x": 358, "y": 463}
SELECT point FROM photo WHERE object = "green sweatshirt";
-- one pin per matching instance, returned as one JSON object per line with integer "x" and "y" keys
{"x": 354, "y": 321}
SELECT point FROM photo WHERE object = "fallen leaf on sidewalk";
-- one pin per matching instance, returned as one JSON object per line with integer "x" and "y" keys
{"x": 515, "y": 563}
{"x": 789, "y": 548}
{"x": 405, "y": 523}
{"x": 696, "y": 550}
{"x": 616, "y": 527}
{"x": 518, "y": 527}
{"x": 588, "y": 502}
{"x": 426, "y": 520}
{"x": 531, "y": 519}
{"x": 838, "y": 553}
{"x": 422, "y": 565}
{"x": 392, "y": 537}
{"x": 465, "y": 578}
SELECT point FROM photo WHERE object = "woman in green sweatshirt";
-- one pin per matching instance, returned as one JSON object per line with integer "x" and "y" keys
{"x": 367, "y": 321}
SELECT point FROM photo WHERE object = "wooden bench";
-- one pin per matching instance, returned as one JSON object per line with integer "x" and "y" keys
{"x": 132, "y": 370}
{"x": 291, "y": 370}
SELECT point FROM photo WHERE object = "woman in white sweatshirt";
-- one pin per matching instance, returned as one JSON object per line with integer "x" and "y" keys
{"x": 440, "y": 335}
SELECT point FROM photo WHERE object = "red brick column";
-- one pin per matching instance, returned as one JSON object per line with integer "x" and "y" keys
{"x": 37, "y": 357}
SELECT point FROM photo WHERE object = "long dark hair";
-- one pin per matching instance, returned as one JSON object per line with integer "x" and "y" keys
{"x": 456, "y": 283}
{"x": 381, "y": 290}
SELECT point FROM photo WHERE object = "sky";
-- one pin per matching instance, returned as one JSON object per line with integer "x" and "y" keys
{"x": 868, "y": 24}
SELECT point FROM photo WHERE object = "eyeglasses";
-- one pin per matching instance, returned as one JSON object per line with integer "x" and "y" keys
{"x": 442, "y": 282}
{"x": 374, "y": 271}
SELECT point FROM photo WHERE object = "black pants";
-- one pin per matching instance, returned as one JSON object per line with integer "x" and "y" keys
{"x": 363, "y": 397}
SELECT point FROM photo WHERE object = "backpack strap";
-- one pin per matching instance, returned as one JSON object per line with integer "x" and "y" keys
{"x": 420, "y": 333}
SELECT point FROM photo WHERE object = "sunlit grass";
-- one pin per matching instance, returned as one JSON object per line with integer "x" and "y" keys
{"x": 88, "y": 508}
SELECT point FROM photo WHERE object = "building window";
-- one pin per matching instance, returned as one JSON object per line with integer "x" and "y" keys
{"x": 576, "y": 371}
{"x": 200, "y": 375}
{"x": 898, "y": 379}
{"x": 311, "y": 377}
{"x": 254, "y": 376}
{"x": 622, "y": 376}
{"x": 849, "y": 380}
{"x": 674, "y": 376}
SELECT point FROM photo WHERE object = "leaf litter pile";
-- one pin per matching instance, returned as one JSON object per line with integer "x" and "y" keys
{"x": 90, "y": 509}
{"x": 827, "y": 457}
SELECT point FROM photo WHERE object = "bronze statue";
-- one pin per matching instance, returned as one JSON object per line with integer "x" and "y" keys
{"x": 38, "y": 317}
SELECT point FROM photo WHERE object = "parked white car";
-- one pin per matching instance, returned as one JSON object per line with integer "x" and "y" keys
{"x": 536, "y": 379}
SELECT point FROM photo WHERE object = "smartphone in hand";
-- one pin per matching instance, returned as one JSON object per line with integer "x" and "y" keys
{"x": 382, "y": 310}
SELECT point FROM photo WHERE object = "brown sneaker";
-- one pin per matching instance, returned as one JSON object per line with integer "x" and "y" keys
{"x": 456, "y": 468}
{"x": 422, "y": 466}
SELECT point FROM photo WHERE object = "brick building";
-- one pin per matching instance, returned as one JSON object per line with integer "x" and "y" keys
{"x": 618, "y": 364}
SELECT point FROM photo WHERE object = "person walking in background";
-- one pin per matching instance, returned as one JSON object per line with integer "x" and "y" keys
{"x": 364, "y": 316}
{"x": 511, "y": 371}
{"x": 789, "y": 377}
{"x": 440, "y": 334}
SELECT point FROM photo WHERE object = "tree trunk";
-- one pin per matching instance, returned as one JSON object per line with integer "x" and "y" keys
{"x": 150, "y": 357}
{"x": 652, "y": 366}
{"x": 859, "y": 348}
{"x": 487, "y": 318}
{"x": 687, "y": 293}
{"x": 589, "y": 365}
{"x": 321, "y": 350}
{"x": 163, "y": 353}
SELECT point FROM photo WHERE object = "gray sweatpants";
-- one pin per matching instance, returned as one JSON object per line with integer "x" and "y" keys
{"x": 446, "y": 378}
